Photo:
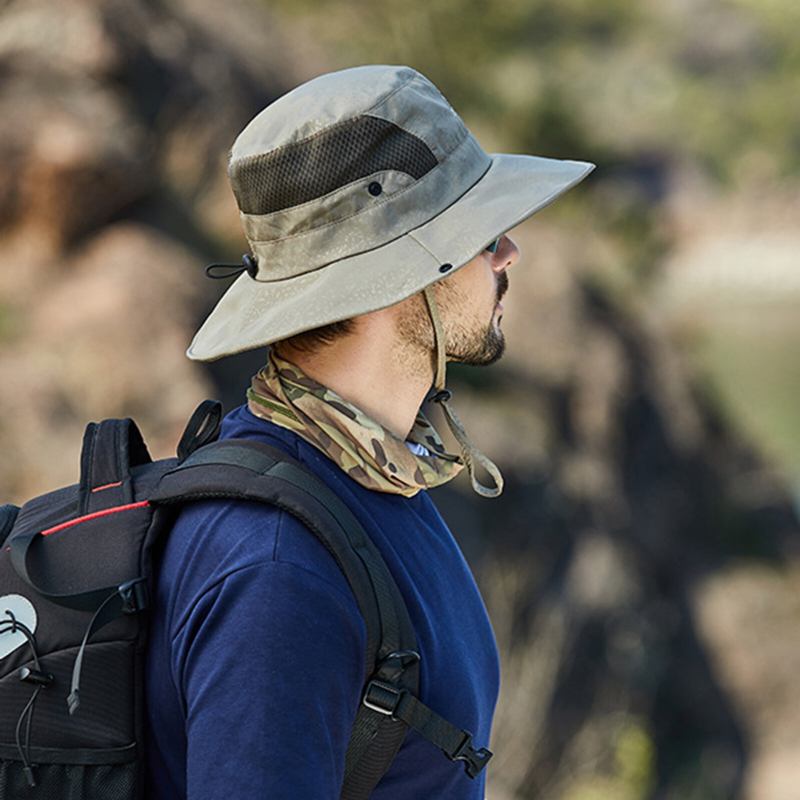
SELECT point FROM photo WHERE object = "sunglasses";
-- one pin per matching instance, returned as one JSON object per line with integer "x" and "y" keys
{"x": 492, "y": 247}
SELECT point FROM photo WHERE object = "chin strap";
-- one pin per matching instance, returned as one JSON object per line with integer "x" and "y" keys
{"x": 469, "y": 452}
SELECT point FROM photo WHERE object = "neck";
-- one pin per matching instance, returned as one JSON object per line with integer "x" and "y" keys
{"x": 371, "y": 369}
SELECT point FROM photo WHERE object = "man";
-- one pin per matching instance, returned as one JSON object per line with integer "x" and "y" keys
{"x": 378, "y": 252}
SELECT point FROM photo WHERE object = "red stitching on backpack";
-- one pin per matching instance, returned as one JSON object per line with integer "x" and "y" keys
{"x": 95, "y": 515}
{"x": 107, "y": 486}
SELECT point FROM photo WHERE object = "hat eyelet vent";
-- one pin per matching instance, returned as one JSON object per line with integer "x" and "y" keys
{"x": 445, "y": 267}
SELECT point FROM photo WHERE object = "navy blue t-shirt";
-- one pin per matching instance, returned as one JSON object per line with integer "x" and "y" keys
{"x": 256, "y": 662}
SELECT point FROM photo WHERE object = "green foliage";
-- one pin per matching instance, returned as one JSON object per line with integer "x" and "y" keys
{"x": 634, "y": 769}
{"x": 755, "y": 373}
{"x": 8, "y": 323}
{"x": 711, "y": 82}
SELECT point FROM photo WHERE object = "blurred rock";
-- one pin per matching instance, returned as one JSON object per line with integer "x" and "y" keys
{"x": 748, "y": 616}
{"x": 626, "y": 489}
{"x": 606, "y": 564}
{"x": 69, "y": 177}
{"x": 106, "y": 339}
{"x": 113, "y": 196}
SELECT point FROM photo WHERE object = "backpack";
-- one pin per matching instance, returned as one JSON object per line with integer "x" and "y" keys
{"x": 76, "y": 578}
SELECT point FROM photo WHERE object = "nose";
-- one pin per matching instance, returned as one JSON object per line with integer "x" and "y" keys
{"x": 506, "y": 255}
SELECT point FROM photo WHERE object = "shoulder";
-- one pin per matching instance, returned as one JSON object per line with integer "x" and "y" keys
{"x": 213, "y": 541}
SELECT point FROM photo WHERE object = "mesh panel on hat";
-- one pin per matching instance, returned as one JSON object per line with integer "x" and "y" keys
{"x": 308, "y": 169}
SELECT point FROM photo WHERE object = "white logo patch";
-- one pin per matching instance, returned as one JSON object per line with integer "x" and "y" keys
{"x": 23, "y": 612}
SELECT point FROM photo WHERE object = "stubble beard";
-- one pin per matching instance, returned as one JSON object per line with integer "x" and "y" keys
{"x": 469, "y": 340}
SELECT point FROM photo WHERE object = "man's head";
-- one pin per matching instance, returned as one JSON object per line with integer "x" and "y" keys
{"x": 363, "y": 194}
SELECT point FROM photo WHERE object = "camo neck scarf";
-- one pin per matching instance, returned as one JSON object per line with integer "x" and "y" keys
{"x": 364, "y": 449}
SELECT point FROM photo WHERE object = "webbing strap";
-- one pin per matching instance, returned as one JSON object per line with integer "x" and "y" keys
{"x": 455, "y": 742}
{"x": 402, "y": 705}
{"x": 202, "y": 428}
{"x": 130, "y": 599}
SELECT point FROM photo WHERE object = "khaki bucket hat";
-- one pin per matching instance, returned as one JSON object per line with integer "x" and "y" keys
{"x": 356, "y": 190}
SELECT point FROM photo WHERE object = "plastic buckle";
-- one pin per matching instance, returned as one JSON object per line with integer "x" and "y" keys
{"x": 390, "y": 668}
{"x": 405, "y": 657}
{"x": 474, "y": 760}
{"x": 134, "y": 595}
{"x": 382, "y": 697}
{"x": 443, "y": 395}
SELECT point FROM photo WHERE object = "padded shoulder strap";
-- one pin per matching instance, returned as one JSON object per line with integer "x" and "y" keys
{"x": 249, "y": 470}
{"x": 245, "y": 469}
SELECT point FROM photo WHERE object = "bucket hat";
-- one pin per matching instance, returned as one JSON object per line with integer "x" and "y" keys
{"x": 356, "y": 190}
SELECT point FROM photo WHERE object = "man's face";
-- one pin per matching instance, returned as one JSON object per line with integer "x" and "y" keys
{"x": 470, "y": 309}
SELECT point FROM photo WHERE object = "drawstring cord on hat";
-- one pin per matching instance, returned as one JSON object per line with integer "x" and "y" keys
{"x": 469, "y": 452}
{"x": 248, "y": 265}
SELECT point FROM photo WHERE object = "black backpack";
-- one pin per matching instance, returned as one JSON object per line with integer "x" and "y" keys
{"x": 73, "y": 621}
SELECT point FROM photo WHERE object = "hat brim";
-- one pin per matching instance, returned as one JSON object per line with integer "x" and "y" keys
{"x": 254, "y": 313}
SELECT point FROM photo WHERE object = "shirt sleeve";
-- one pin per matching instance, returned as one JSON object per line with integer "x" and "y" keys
{"x": 270, "y": 667}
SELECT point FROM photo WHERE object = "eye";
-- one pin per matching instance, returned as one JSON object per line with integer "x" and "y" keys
{"x": 492, "y": 247}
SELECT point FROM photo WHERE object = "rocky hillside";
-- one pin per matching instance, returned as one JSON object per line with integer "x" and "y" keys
{"x": 114, "y": 199}
{"x": 641, "y": 568}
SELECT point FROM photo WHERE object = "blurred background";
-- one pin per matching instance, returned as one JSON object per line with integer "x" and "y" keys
{"x": 642, "y": 568}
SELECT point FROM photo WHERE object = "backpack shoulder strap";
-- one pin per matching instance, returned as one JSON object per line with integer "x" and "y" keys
{"x": 246, "y": 469}
{"x": 249, "y": 470}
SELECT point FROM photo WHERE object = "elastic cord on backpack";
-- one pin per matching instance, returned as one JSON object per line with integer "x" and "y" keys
{"x": 41, "y": 680}
{"x": 73, "y": 699}
{"x": 26, "y": 753}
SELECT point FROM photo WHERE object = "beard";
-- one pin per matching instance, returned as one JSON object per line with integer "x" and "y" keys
{"x": 480, "y": 349}
{"x": 469, "y": 338}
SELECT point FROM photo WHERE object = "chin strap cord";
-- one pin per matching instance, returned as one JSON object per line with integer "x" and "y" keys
{"x": 469, "y": 452}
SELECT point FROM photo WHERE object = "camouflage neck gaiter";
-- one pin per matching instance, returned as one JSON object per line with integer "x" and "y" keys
{"x": 364, "y": 449}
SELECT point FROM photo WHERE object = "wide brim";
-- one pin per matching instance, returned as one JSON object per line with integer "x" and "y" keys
{"x": 255, "y": 313}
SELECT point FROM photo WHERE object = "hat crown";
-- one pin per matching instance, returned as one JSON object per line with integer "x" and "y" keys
{"x": 323, "y": 101}
{"x": 347, "y": 162}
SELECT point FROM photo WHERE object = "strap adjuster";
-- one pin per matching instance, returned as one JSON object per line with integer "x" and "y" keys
{"x": 382, "y": 697}
{"x": 474, "y": 760}
{"x": 134, "y": 595}
{"x": 396, "y": 663}
{"x": 441, "y": 396}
